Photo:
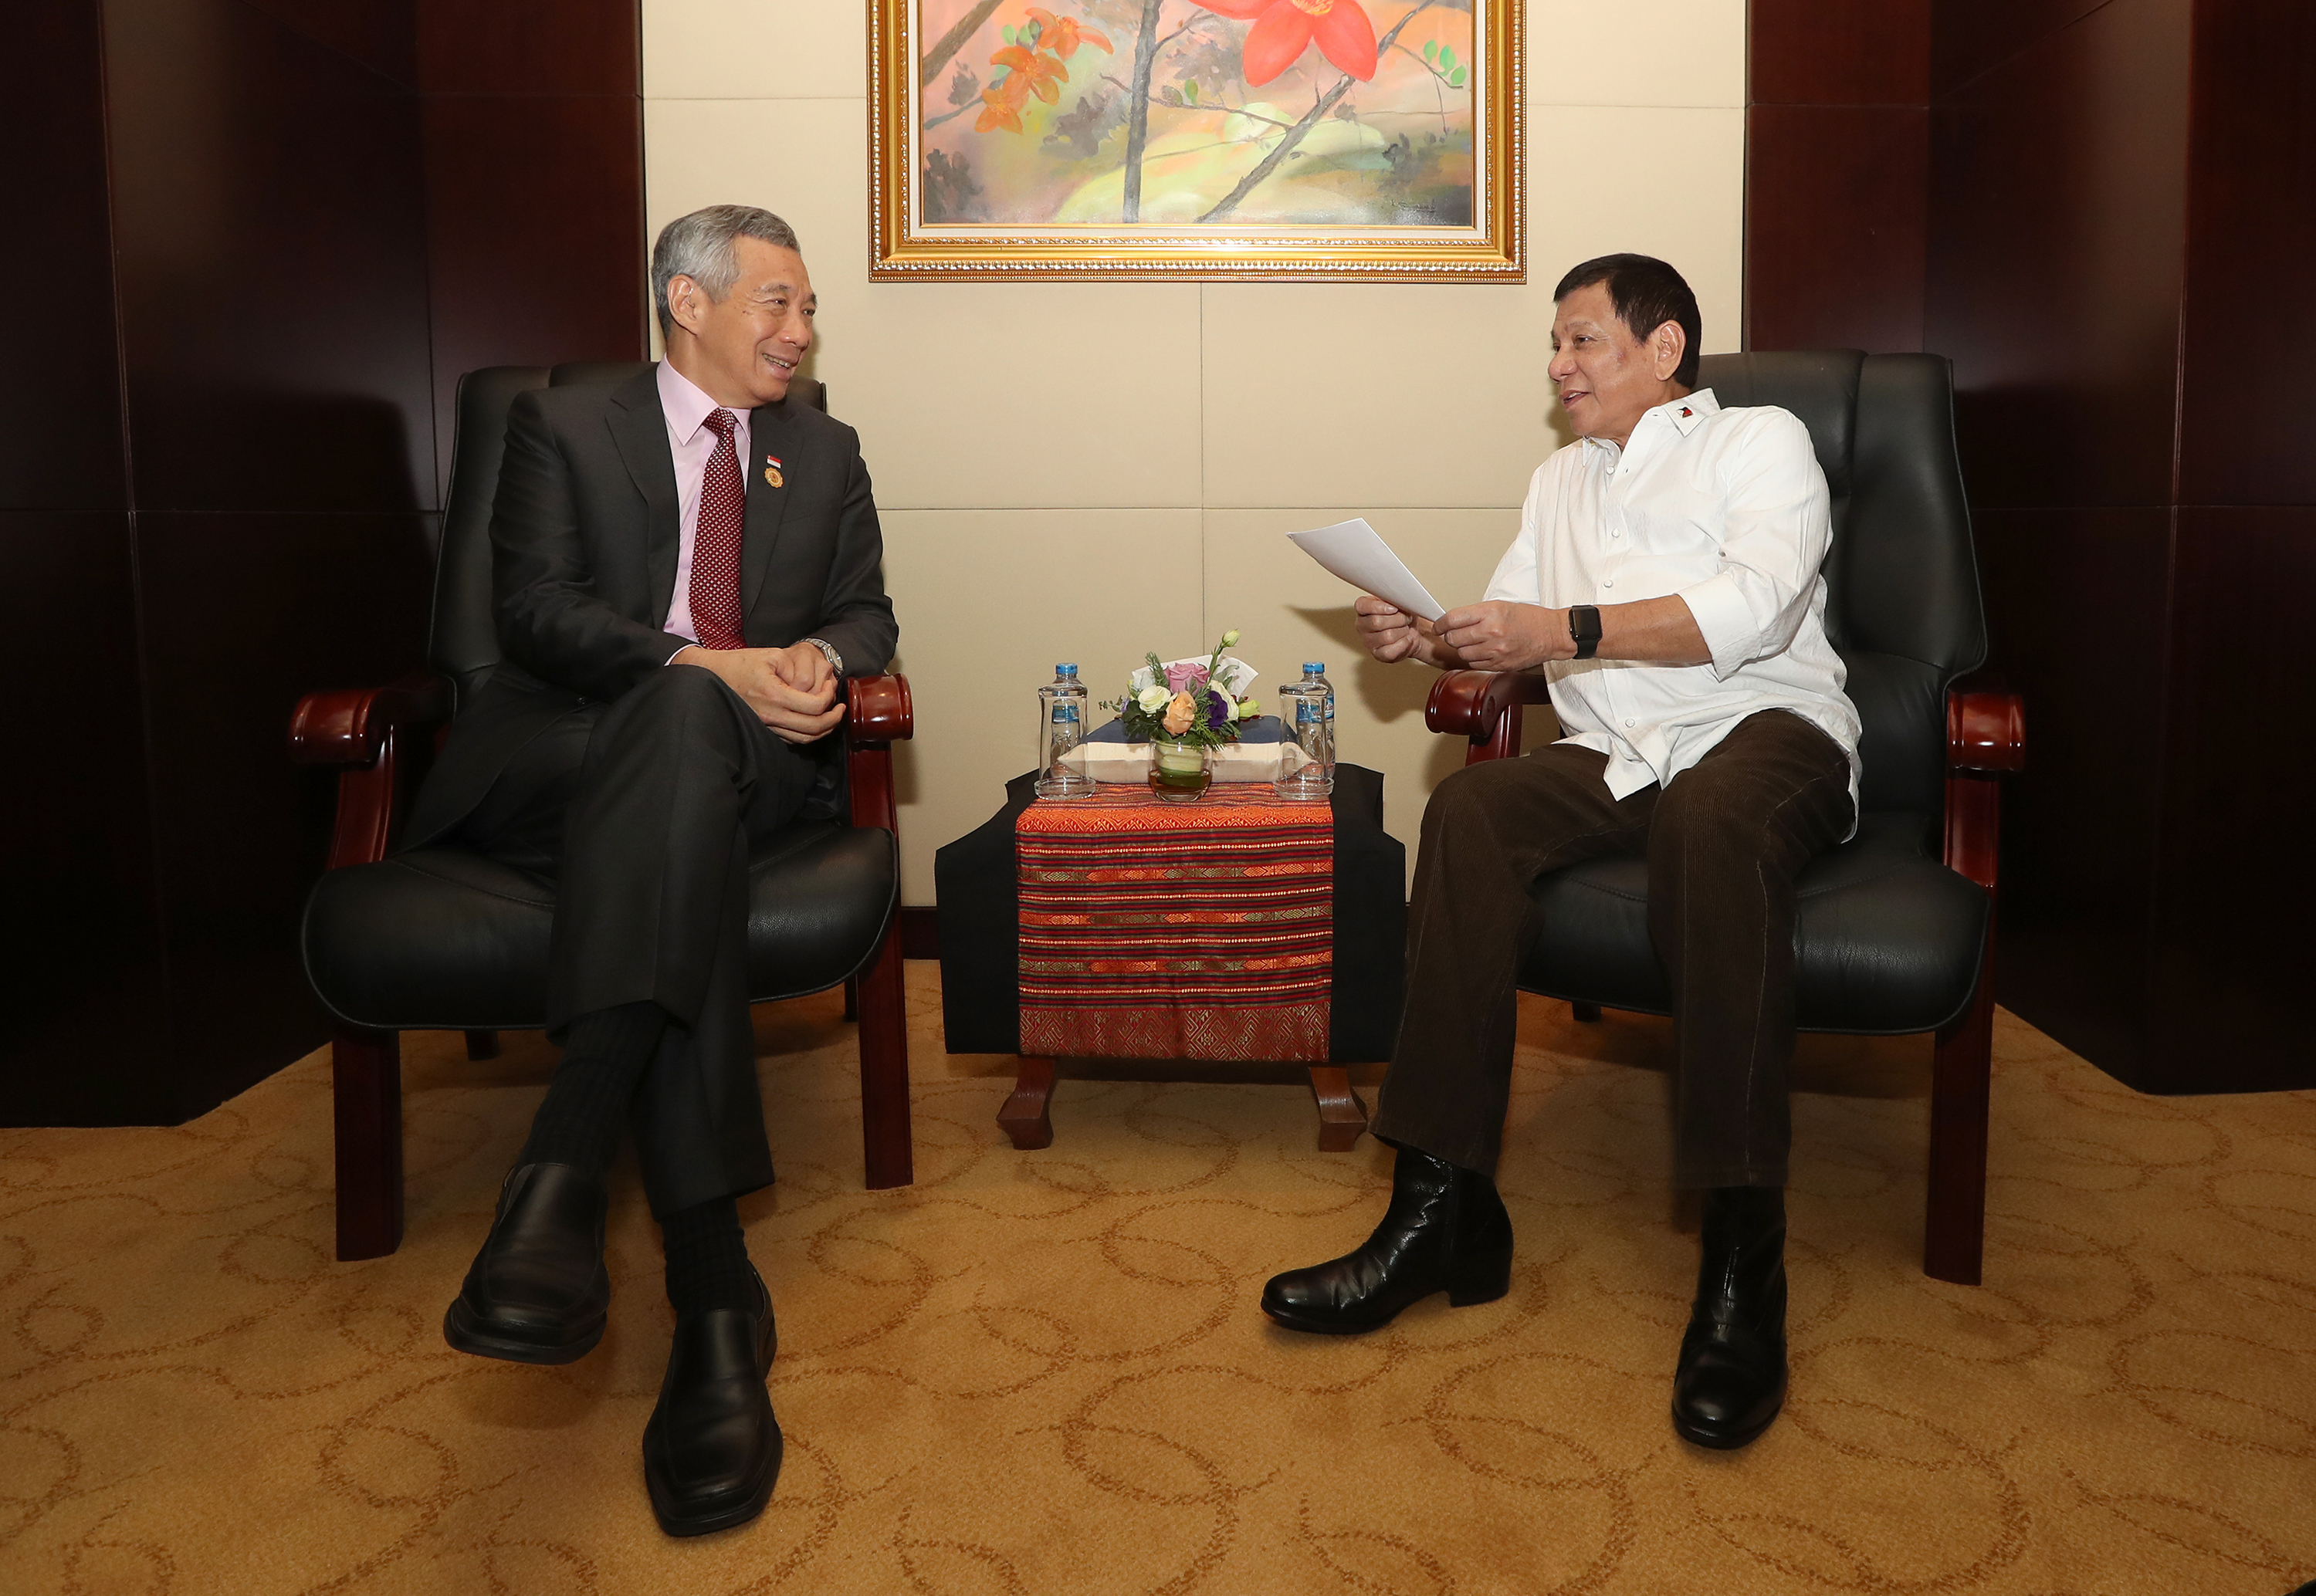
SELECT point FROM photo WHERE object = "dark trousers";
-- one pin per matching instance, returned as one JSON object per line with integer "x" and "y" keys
{"x": 1724, "y": 841}
{"x": 644, "y": 811}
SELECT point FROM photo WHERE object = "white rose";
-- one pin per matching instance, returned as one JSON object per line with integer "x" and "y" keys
{"x": 1153, "y": 699}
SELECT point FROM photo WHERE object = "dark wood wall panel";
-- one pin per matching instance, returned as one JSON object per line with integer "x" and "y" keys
{"x": 60, "y": 405}
{"x": 322, "y": 601}
{"x": 535, "y": 230}
{"x": 267, "y": 218}
{"x": 1969, "y": 37}
{"x": 507, "y": 47}
{"x": 82, "y": 990}
{"x": 1837, "y": 52}
{"x": 380, "y": 35}
{"x": 2058, "y": 205}
{"x": 1834, "y": 241}
{"x": 2251, "y": 342}
{"x": 2237, "y": 870}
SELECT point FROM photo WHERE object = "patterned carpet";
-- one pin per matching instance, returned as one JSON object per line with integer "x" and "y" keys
{"x": 1043, "y": 1372}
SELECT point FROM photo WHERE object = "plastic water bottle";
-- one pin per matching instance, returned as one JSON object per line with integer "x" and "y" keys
{"x": 1061, "y": 727}
{"x": 1306, "y": 714}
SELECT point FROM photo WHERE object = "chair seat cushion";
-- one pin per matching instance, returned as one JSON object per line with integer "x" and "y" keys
{"x": 443, "y": 938}
{"x": 1889, "y": 941}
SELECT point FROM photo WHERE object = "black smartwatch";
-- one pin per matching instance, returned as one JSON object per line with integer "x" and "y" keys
{"x": 1584, "y": 628}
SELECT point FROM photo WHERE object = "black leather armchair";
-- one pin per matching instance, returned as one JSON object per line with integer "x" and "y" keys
{"x": 443, "y": 938}
{"x": 1896, "y": 934}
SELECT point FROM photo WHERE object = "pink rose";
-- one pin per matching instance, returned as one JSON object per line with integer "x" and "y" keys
{"x": 1186, "y": 679}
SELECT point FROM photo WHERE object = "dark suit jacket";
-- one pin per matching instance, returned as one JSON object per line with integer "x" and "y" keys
{"x": 584, "y": 535}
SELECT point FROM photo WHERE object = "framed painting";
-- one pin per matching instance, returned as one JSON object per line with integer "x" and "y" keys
{"x": 1348, "y": 139}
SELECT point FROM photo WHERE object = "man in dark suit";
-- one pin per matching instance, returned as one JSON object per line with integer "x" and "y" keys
{"x": 685, "y": 567}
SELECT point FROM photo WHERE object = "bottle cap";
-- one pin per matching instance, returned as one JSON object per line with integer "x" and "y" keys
{"x": 1066, "y": 670}
{"x": 1309, "y": 666}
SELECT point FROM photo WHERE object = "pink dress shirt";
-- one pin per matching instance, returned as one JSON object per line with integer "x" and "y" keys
{"x": 690, "y": 442}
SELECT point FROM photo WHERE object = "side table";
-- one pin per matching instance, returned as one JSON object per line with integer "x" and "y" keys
{"x": 977, "y": 884}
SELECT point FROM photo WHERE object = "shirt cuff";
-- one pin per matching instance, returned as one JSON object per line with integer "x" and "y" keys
{"x": 681, "y": 643}
{"x": 1724, "y": 619}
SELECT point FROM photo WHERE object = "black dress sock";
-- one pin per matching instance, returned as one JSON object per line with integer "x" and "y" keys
{"x": 707, "y": 1262}
{"x": 604, "y": 1056}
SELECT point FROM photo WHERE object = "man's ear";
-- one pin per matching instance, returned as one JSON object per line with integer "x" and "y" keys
{"x": 1667, "y": 345}
{"x": 686, "y": 304}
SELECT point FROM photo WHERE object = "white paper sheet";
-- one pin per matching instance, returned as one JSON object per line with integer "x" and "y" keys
{"x": 1353, "y": 551}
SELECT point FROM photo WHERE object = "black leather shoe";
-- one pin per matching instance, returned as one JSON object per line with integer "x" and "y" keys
{"x": 712, "y": 1449}
{"x": 1445, "y": 1230}
{"x": 1731, "y": 1379}
{"x": 537, "y": 1290}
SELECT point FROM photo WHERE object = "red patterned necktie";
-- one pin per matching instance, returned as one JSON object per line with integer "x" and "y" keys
{"x": 715, "y": 543}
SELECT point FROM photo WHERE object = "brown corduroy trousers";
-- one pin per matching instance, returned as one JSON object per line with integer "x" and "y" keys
{"x": 1725, "y": 842}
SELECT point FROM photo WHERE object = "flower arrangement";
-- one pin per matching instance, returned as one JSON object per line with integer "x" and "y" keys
{"x": 1190, "y": 701}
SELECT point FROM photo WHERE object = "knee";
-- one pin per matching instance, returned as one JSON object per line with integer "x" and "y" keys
{"x": 680, "y": 699}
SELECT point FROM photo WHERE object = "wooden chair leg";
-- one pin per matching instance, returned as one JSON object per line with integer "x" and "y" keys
{"x": 885, "y": 1141}
{"x": 1954, "y": 1240}
{"x": 365, "y": 1091}
{"x": 1587, "y": 1014}
{"x": 482, "y": 1044}
{"x": 852, "y": 997}
{"x": 1343, "y": 1117}
{"x": 1028, "y": 1115}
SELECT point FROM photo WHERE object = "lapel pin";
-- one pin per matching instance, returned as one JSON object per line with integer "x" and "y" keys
{"x": 772, "y": 471}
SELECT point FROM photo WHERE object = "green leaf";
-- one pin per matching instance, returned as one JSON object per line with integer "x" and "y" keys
{"x": 1006, "y": 33}
{"x": 1447, "y": 56}
{"x": 998, "y": 74}
{"x": 1456, "y": 79}
{"x": 1432, "y": 50}
{"x": 1190, "y": 92}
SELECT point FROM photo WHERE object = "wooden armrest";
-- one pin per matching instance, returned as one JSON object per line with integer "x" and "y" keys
{"x": 351, "y": 726}
{"x": 877, "y": 709}
{"x": 1485, "y": 706}
{"x": 1986, "y": 727}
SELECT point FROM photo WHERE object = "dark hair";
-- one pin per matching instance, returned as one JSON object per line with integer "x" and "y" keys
{"x": 1647, "y": 294}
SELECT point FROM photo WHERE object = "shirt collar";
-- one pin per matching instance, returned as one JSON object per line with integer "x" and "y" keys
{"x": 685, "y": 404}
{"x": 1686, "y": 413}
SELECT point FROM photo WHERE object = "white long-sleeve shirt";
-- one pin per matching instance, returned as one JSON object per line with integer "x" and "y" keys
{"x": 1725, "y": 507}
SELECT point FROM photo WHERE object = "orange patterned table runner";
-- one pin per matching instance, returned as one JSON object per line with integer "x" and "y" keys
{"x": 1158, "y": 930}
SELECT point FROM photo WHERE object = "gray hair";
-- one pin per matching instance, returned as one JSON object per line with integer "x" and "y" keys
{"x": 700, "y": 246}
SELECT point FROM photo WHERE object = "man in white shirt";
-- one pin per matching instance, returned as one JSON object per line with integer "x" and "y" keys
{"x": 1666, "y": 581}
{"x": 684, "y": 565}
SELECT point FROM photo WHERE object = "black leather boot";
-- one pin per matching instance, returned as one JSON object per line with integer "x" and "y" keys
{"x": 1731, "y": 1379}
{"x": 1445, "y": 1230}
{"x": 537, "y": 1290}
{"x": 712, "y": 1449}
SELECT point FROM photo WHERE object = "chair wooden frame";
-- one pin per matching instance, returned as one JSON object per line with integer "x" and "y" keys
{"x": 1986, "y": 739}
{"x": 370, "y": 735}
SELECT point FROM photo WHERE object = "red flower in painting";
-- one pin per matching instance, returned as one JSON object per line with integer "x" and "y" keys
{"x": 1284, "y": 29}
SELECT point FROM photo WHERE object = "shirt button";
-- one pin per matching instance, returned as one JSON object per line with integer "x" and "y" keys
{"x": 1628, "y": 725}
{"x": 1609, "y": 582}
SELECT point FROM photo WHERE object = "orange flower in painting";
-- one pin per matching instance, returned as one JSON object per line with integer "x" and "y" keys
{"x": 1284, "y": 29}
{"x": 1061, "y": 35}
{"x": 1001, "y": 105}
{"x": 1039, "y": 71}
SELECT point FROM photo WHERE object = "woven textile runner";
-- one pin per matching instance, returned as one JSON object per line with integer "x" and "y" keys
{"x": 1157, "y": 930}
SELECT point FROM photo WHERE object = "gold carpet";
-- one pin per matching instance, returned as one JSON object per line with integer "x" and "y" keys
{"x": 1043, "y": 1372}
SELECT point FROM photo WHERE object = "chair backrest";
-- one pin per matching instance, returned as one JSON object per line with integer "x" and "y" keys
{"x": 464, "y": 641}
{"x": 1902, "y": 603}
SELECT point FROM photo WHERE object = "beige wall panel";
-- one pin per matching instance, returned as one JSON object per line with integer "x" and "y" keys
{"x": 996, "y": 396}
{"x": 1401, "y": 394}
{"x": 988, "y": 601}
{"x": 754, "y": 50}
{"x": 1641, "y": 52}
{"x": 1290, "y": 611}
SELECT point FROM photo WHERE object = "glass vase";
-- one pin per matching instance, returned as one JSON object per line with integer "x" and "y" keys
{"x": 1177, "y": 771}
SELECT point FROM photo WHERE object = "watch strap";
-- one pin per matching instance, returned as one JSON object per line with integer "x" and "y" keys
{"x": 1584, "y": 629}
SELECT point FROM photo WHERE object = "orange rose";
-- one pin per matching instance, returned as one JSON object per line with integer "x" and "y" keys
{"x": 1182, "y": 714}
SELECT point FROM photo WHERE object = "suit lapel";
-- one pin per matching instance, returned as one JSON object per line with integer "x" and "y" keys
{"x": 639, "y": 428}
{"x": 771, "y": 440}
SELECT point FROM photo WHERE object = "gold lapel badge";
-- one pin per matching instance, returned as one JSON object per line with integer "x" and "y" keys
{"x": 772, "y": 471}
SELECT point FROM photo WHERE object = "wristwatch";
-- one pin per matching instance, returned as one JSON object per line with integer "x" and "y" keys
{"x": 1584, "y": 629}
{"x": 836, "y": 660}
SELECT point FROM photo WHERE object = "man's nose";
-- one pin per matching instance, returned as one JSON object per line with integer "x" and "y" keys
{"x": 1561, "y": 367}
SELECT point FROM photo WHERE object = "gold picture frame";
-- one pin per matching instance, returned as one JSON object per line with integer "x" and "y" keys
{"x": 1393, "y": 150}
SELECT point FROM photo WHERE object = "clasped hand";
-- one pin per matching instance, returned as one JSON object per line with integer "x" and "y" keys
{"x": 793, "y": 690}
{"x": 1496, "y": 635}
